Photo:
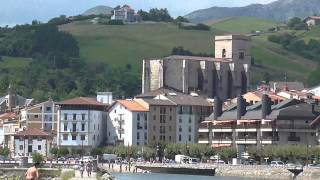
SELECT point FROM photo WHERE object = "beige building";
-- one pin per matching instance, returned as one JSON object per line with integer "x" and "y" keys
{"x": 174, "y": 117}
{"x": 226, "y": 75}
{"x": 10, "y": 125}
{"x": 40, "y": 116}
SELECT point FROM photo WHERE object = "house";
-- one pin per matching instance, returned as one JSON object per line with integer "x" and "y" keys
{"x": 13, "y": 101}
{"x": 275, "y": 87}
{"x": 10, "y": 124}
{"x": 261, "y": 124}
{"x": 254, "y": 97}
{"x": 31, "y": 141}
{"x": 81, "y": 123}
{"x": 312, "y": 21}
{"x": 126, "y": 14}
{"x": 226, "y": 75}
{"x": 127, "y": 123}
{"x": 40, "y": 116}
{"x": 174, "y": 117}
{"x": 315, "y": 90}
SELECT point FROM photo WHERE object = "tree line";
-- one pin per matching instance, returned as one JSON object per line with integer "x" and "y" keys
{"x": 56, "y": 70}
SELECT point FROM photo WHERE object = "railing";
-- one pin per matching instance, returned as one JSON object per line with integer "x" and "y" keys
{"x": 222, "y": 138}
{"x": 247, "y": 126}
{"x": 221, "y": 127}
{"x": 265, "y": 126}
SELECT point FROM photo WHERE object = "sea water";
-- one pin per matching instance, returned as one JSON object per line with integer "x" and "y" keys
{"x": 158, "y": 176}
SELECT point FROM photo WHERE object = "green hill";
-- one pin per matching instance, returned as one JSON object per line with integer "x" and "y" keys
{"x": 130, "y": 44}
{"x": 244, "y": 24}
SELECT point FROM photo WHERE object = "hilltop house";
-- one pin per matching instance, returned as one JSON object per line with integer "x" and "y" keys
{"x": 126, "y": 14}
{"x": 312, "y": 21}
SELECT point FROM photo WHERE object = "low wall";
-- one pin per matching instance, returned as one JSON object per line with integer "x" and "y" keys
{"x": 265, "y": 172}
{"x": 19, "y": 172}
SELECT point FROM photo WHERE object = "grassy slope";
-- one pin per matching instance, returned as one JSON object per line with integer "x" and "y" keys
{"x": 243, "y": 24}
{"x": 129, "y": 44}
{"x": 120, "y": 45}
{"x": 14, "y": 62}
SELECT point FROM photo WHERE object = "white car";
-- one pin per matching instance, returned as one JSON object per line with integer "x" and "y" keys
{"x": 277, "y": 164}
{"x": 87, "y": 158}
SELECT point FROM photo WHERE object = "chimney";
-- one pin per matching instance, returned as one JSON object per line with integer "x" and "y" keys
{"x": 217, "y": 107}
{"x": 241, "y": 107}
{"x": 266, "y": 106}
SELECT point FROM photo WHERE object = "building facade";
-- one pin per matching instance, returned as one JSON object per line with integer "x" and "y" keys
{"x": 312, "y": 21}
{"x": 126, "y": 14}
{"x": 31, "y": 141}
{"x": 127, "y": 123}
{"x": 287, "y": 122}
{"x": 40, "y": 116}
{"x": 226, "y": 75}
{"x": 81, "y": 123}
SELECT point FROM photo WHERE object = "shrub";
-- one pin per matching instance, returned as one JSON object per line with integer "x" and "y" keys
{"x": 115, "y": 22}
{"x": 37, "y": 158}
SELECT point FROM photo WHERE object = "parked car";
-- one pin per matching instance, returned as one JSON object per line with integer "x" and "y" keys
{"x": 87, "y": 158}
{"x": 277, "y": 164}
{"x": 219, "y": 162}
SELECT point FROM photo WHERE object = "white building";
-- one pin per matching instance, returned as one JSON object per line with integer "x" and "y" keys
{"x": 81, "y": 123}
{"x": 30, "y": 141}
{"x": 315, "y": 90}
{"x": 127, "y": 123}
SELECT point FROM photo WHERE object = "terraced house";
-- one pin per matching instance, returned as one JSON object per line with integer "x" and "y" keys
{"x": 291, "y": 121}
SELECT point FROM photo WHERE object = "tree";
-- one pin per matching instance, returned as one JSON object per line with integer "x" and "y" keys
{"x": 54, "y": 151}
{"x": 96, "y": 151}
{"x": 4, "y": 151}
{"x": 181, "y": 19}
{"x": 37, "y": 158}
{"x": 63, "y": 152}
{"x": 297, "y": 24}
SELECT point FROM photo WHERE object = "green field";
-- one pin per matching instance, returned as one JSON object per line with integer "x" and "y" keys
{"x": 244, "y": 24}
{"x": 14, "y": 62}
{"x": 130, "y": 44}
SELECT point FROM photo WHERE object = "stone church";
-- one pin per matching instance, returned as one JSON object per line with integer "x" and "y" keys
{"x": 225, "y": 76}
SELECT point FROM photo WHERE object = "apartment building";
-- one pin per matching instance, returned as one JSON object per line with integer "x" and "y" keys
{"x": 127, "y": 123}
{"x": 288, "y": 122}
{"x": 40, "y": 116}
{"x": 10, "y": 125}
{"x": 81, "y": 123}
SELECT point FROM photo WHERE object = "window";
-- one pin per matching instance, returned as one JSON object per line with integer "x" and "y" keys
{"x": 223, "y": 53}
{"x": 74, "y": 116}
{"x": 65, "y": 116}
{"x": 180, "y": 129}
{"x": 180, "y": 120}
{"x": 169, "y": 138}
{"x": 83, "y": 137}
{"x": 162, "y": 110}
{"x": 154, "y": 137}
{"x": 154, "y": 128}
{"x": 189, "y": 129}
{"x": 83, "y": 127}
{"x": 138, "y": 143}
{"x": 241, "y": 55}
{"x": 138, "y": 135}
{"x": 65, "y": 127}
{"x": 162, "y": 118}
{"x": 21, "y": 147}
{"x": 74, "y": 137}
{"x": 179, "y": 137}
{"x": 138, "y": 117}
{"x": 170, "y": 109}
{"x": 145, "y": 117}
{"x": 145, "y": 136}
{"x": 65, "y": 137}
{"x": 74, "y": 127}
{"x": 39, "y": 139}
{"x": 36, "y": 116}
{"x": 170, "y": 118}
{"x": 48, "y": 108}
{"x": 145, "y": 125}
{"x": 154, "y": 117}
{"x": 190, "y": 110}
{"x": 83, "y": 116}
{"x": 154, "y": 108}
{"x": 170, "y": 128}
{"x": 189, "y": 137}
{"x": 94, "y": 126}
{"x": 98, "y": 126}
{"x": 39, "y": 147}
{"x": 189, "y": 120}
{"x": 94, "y": 137}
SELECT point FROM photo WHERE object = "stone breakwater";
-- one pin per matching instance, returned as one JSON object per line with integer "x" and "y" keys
{"x": 265, "y": 172}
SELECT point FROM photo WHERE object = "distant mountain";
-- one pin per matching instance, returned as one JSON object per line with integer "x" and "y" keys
{"x": 280, "y": 10}
{"x": 98, "y": 10}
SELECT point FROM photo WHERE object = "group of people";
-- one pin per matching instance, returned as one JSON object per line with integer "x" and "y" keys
{"x": 85, "y": 167}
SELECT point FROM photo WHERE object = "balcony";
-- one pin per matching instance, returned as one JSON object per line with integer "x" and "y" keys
{"x": 293, "y": 126}
{"x": 222, "y": 127}
{"x": 270, "y": 138}
{"x": 247, "y": 126}
{"x": 294, "y": 138}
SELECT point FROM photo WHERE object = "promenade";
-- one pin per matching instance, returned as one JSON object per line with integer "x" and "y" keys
{"x": 85, "y": 177}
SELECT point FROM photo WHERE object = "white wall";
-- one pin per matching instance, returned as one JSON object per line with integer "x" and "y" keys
{"x": 35, "y": 143}
{"x": 315, "y": 91}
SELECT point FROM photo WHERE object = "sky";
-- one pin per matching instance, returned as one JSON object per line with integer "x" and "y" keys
{"x": 24, "y": 11}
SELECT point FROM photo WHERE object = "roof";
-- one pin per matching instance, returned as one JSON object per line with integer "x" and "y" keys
{"x": 132, "y": 105}
{"x": 197, "y": 58}
{"x": 313, "y": 17}
{"x": 176, "y": 98}
{"x": 31, "y": 132}
{"x": 159, "y": 102}
{"x": 82, "y": 101}
{"x": 9, "y": 115}
{"x": 298, "y": 86}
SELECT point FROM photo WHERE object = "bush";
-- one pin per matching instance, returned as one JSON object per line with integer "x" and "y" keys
{"x": 200, "y": 27}
{"x": 54, "y": 151}
{"x": 115, "y": 22}
{"x": 37, "y": 158}
{"x": 4, "y": 151}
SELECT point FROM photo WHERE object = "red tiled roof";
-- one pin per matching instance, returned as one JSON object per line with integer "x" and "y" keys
{"x": 31, "y": 132}
{"x": 82, "y": 101}
{"x": 9, "y": 115}
{"x": 313, "y": 17}
{"x": 132, "y": 105}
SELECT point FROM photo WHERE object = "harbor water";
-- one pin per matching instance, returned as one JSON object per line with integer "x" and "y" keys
{"x": 158, "y": 176}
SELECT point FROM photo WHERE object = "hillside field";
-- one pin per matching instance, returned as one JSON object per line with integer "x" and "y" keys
{"x": 130, "y": 44}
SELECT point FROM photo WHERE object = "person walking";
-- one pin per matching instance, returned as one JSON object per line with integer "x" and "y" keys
{"x": 89, "y": 168}
{"x": 81, "y": 168}
{"x": 33, "y": 173}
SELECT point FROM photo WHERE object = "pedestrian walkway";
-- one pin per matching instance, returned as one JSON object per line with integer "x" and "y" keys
{"x": 85, "y": 177}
